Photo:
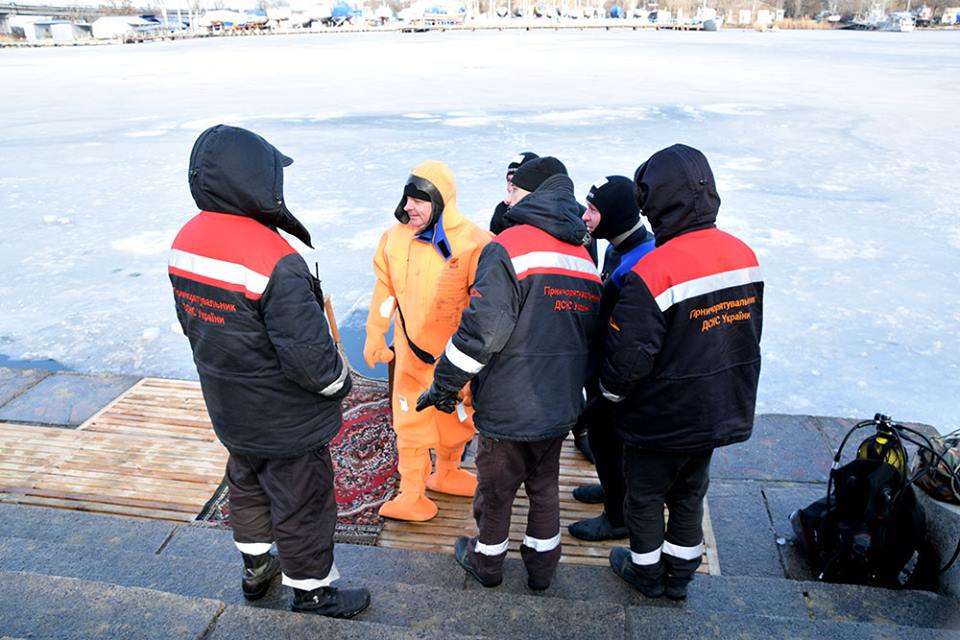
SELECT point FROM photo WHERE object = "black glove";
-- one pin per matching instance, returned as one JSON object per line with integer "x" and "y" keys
{"x": 443, "y": 399}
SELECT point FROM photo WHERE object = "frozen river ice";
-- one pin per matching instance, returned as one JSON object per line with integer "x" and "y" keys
{"x": 835, "y": 154}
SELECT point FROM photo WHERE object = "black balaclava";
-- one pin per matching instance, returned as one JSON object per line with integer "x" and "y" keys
{"x": 616, "y": 199}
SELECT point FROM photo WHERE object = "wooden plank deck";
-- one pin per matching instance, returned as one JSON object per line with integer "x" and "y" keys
{"x": 456, "y": 519}
{"x": 152, "y": 453}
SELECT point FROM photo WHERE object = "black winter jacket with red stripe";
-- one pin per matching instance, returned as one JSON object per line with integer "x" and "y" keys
{"x": 524, "y": 337}
{"x": 271, "y": 376}
{"x": 682, "y": 353}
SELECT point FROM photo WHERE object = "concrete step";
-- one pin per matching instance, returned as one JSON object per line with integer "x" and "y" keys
{"x": 58, "y": 608}
{"x": 662, "y": 624}
{"x": 77, "y": 527}
{"x": 203, "y": 562}
{"x": 38, "y": 606}
{"x": 428, "y": 590}
{"x": 741, "y": 594}
{"x": 251, "y": 623}
{"x": 445, "y": 610}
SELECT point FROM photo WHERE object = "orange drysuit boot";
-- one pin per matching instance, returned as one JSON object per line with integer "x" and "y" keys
{"x": 423, "y": 278}
{"x": 449, "y": 477}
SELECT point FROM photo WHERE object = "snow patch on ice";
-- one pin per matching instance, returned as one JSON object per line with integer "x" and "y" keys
{"x": 469, "y": 121}
{"x": 953, "y": 237}
{"x": 586, "y": 117}
{"x": 834, "y": 248}
{"x": 149, "y": 133}
{"x": 148, "y": 243}
{"x": 837, "y": 188}
{"x": 322, "y": 216}
{"x": 935, "y": 349}
{"x": 796, "y": 402}
{"x": 57, "y": 220}
{"x": 726, "y": 184}
{"x": 150, "y": 334}
{"x": 733, "y": 224}
{"x": 776, "y": 238}
{"x": 363, "y": 240}
{"x": 736, "y": 109}
{"x": 743, "y": 164}
{"x": 418, "y": 116}
{"x": 356, "y": 315}
{"x": 205, "y": 123}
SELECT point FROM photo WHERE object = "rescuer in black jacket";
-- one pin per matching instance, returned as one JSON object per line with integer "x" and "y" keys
{"x": 524, "y": 343}
{"x": 612, "y": 214}
{"x": 682, "y": 362}
{"x": 497, "y": 223}
{"x": 271, "y": 375}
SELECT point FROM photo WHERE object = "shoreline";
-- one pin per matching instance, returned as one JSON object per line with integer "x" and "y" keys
{"x": 607, "y": 24}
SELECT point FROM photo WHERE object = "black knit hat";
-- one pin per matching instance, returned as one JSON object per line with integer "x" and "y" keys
{"x": 521, "y": 159}
{"x": 531, "y": 174}
{"x": 616, "y": 199}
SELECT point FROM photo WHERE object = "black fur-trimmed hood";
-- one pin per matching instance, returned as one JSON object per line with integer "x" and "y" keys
{"x": 677, "y": 192}
{"x": 235, "y": 171}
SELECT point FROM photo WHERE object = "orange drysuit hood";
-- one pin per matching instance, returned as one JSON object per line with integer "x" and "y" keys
{"x": 433, "y": 181}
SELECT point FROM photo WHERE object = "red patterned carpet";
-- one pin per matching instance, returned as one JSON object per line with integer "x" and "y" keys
{"x": 365, "y": 462}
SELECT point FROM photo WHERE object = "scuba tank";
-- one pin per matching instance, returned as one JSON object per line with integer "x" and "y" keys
{"x": 885, "y": 445}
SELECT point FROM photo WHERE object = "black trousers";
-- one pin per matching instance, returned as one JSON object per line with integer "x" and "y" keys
{"x": 607, "y": 450}
{"x": 502, "y": 466}
{"x": 290, "y": 501}
{"x": 680, "y": 482}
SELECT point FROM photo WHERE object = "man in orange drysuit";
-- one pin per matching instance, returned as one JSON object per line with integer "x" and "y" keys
{"x": 425, "y": 267}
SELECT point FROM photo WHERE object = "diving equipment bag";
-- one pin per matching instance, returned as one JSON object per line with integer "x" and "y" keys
{"x": 870, "y": 528}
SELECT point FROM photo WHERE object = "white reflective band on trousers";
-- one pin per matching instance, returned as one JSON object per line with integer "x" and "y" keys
{"x": 253, "y": 548}
{"x": 540, "y": 545}
{"x": 309, "y": 584}
{"x": 651, "y": 557}
{"x": 492, "y": 549}
{"x": 684, "y": 553}
{"x": 670, "y": 549}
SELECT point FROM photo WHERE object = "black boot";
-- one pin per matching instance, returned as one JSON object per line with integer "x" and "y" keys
{"x": 589, "y": 494}
{"x": 461, "y": 553}
{"x": 676, "y": 588}
{"x": 680, "y": 574}
{"x": 331, "y": 601}
{"x": 597, "y": 529}
{"x": 258, "y": 572}
{"x": 648, "y": 580}
{"x": 582, "y": 443}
